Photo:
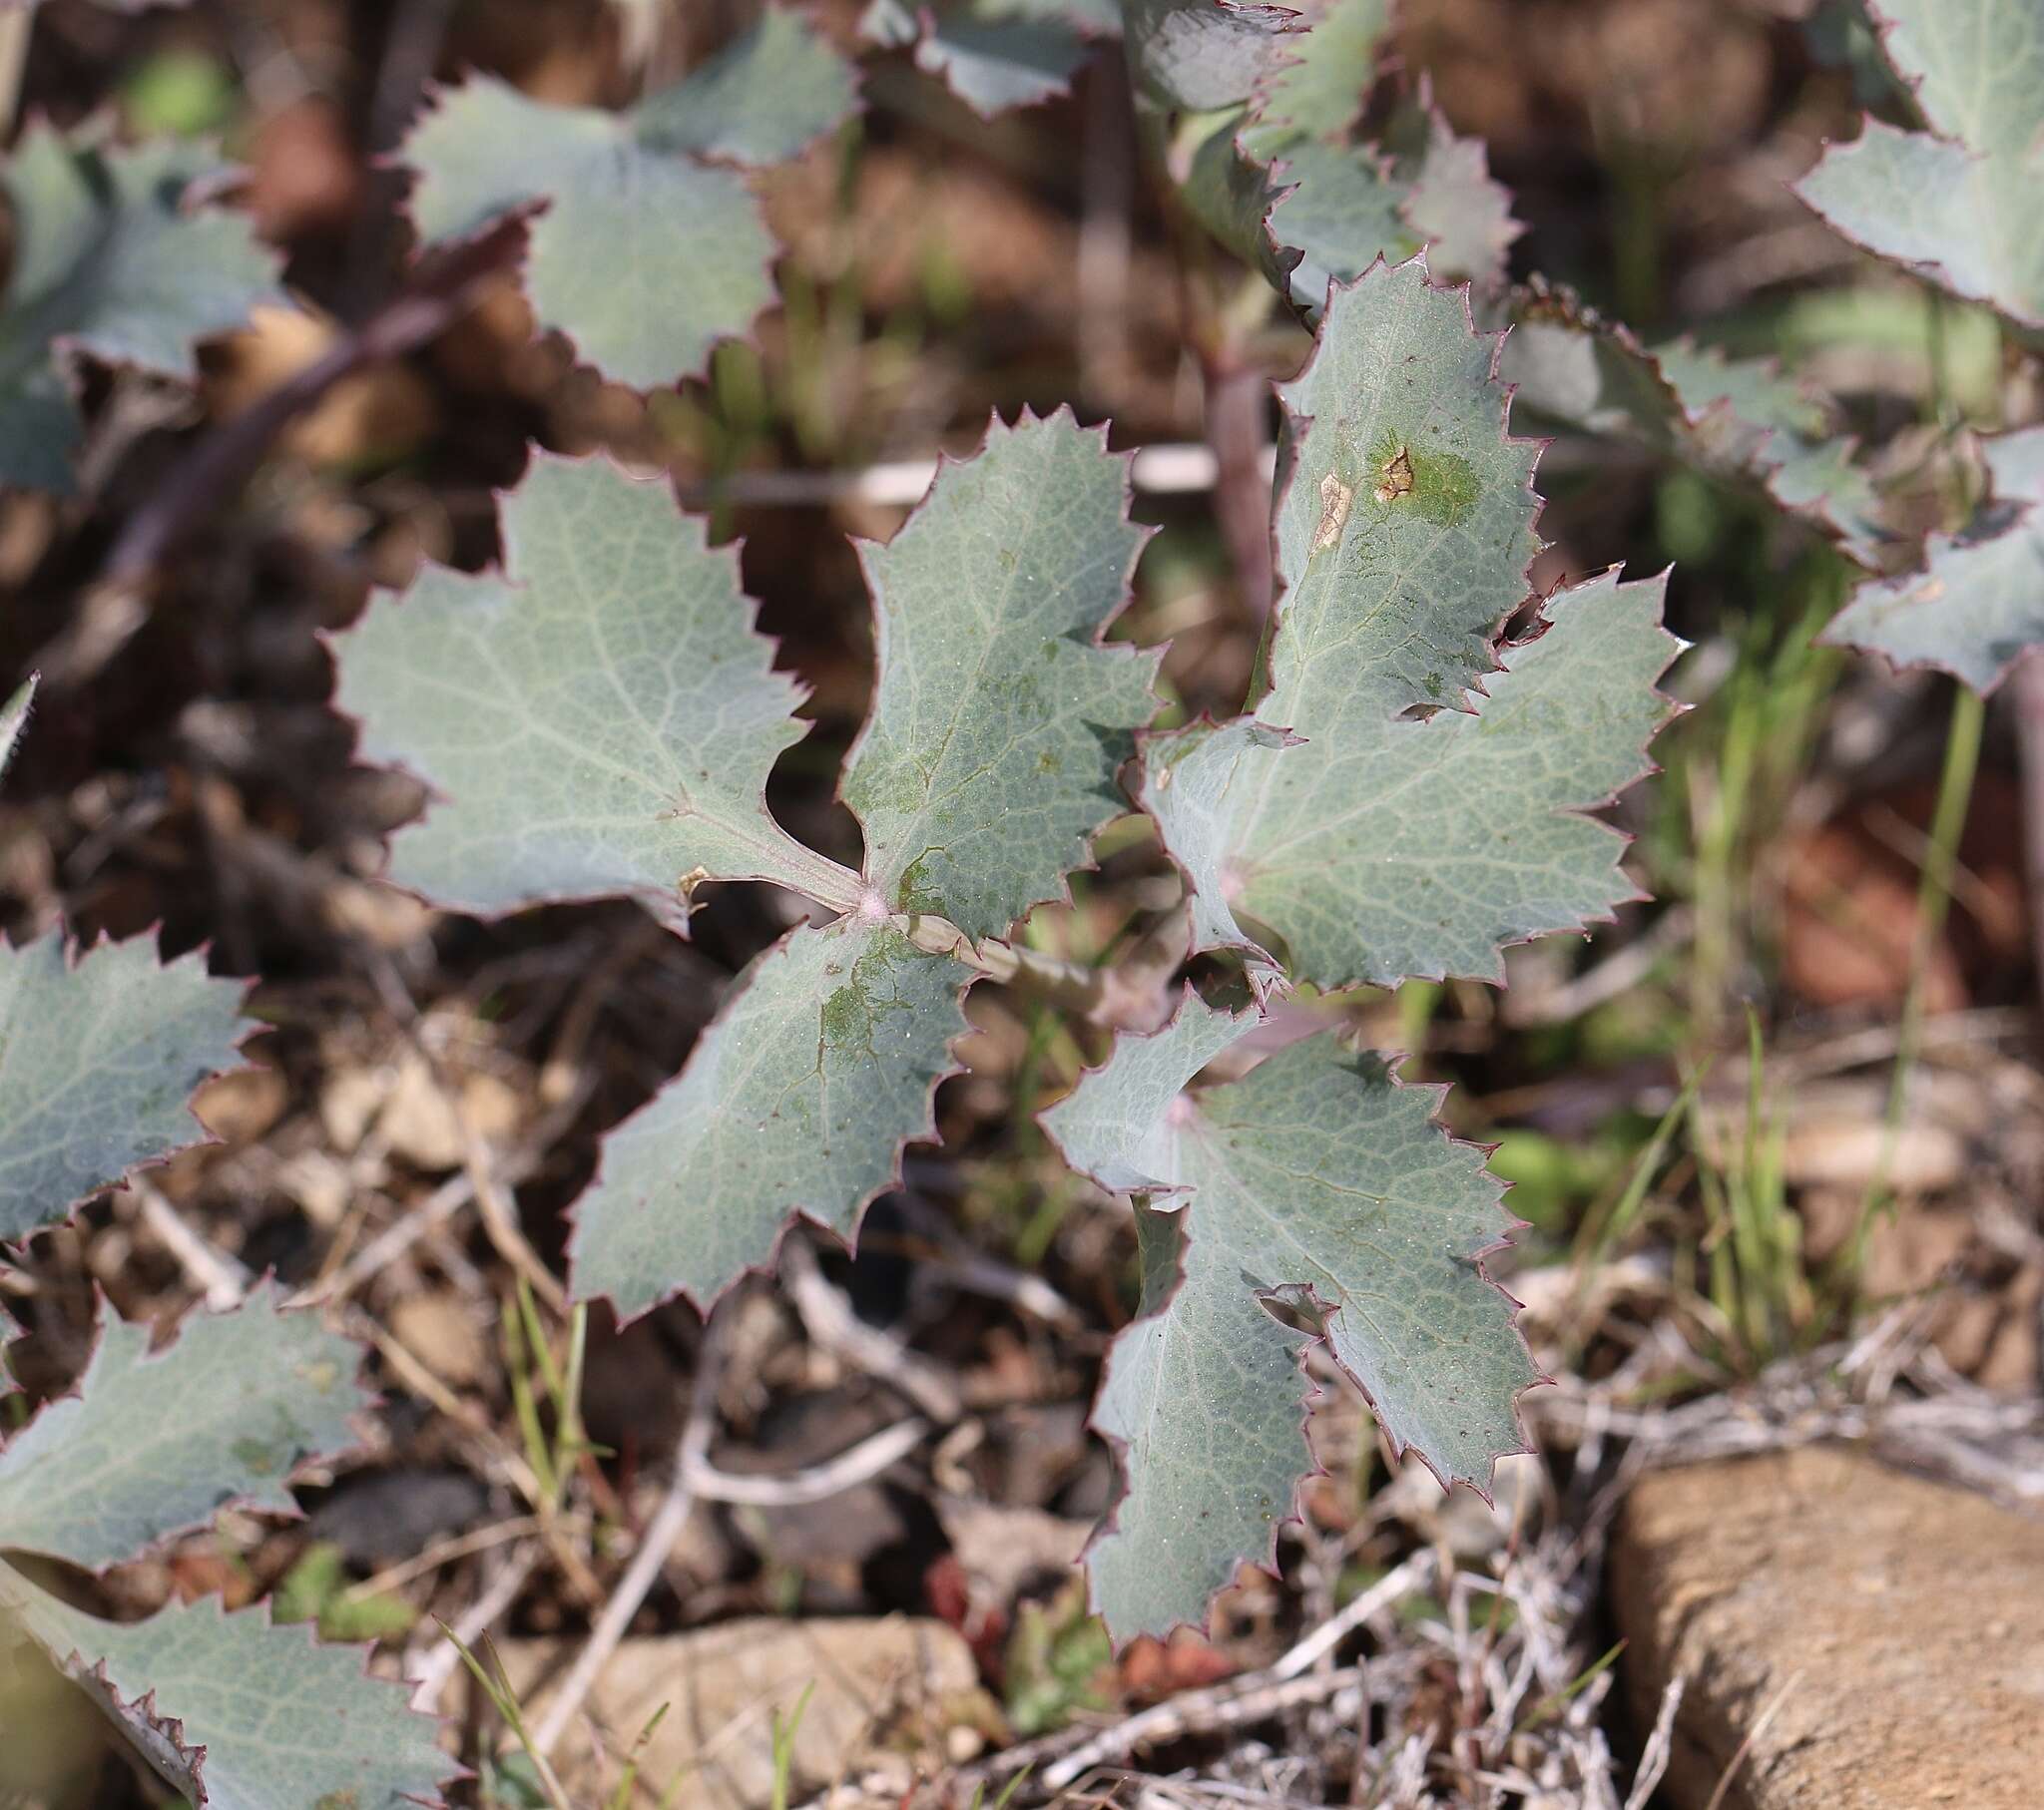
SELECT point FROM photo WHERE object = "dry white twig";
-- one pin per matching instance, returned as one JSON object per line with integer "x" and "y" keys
{"x": 646, "y": 1562}
{"x": 815, "y": 1483}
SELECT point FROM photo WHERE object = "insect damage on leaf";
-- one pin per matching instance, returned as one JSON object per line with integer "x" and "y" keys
{"x": 1337, "y": 499}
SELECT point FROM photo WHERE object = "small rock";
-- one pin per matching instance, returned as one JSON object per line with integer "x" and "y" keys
{"x": 1873, "y": 1636}
{"x": 378, "y": 1516}
{"x": 240, "y": 1105}
{"x": 435, "y": 1329}
{"x": 891, "y": 1686}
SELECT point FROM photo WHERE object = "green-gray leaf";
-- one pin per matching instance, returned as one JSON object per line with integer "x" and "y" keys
{"x": 14, "y": 719}
{"x": 1978, "y": 604}
{"x": 995, "y": 54}
{"x": 150, "y": 1446}
{"x": 1315, "y": 1181}
{"x": 235, "y": 1714}
{"x": 1323, "y": 76}
{"x": 107, "y": 263}
{"x": 98, "y": 1060}
{"x": 999, "y": 722}
{"x": 1738, "y": 421}
{"x": 1405, "y": 530}
{"x": 798, "y": 1099}
{"x": 1962, "y": 201}
{"x": 600, "y": 717}
{"x": 644, "y": 254}
{"x": 1335, "y": 206}
{"x": 1196, "y": 55}
{"x": 1745, "y": 416}
{"x": 1390, "y": 849}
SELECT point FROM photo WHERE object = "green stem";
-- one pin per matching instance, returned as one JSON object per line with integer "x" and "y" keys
{"x": 1933, "y": 902}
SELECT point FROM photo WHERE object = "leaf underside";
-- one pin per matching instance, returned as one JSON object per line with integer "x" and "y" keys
{"x": 798, "y": 1097}
{"x": 1978, "y": 604}
{"x": 107, "y": 263}
{"x": 600, "y": 716}
{"x": 236, "y": 1714}
{"x": 1318, "y": 1181}
{"x": 699, "y": 248}
{"x": 150, "y": 1446}
{"x": 1962, "y": 202}
{"x": 98, "y": 1060}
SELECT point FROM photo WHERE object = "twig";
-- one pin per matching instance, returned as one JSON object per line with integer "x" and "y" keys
{"x": 392, "y": 1242}
{"x": 654, "y": 1546}
{"x": 1238, "y": 399}
{"x": 814, "y": 1483}
{"x": 499, "y": 1216}
{"x": 1598, "y": 984}
{"x": 831, "y": 1320}
{"x": 462, "y": 1545}
{"x": 1253, "y": 1699}
{"x": 1415, "y": 1574}
{"x": 223, "y": 1281}
{"x": 443, "y": 288}
{"x": 1753, "y": 1734}
{"x": 1660, "y": 1748}
{"x": 1171, "y": 469}
{"x": 1108, "y": 151}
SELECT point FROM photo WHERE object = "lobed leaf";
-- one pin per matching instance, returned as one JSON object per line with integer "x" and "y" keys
{"x": 1360, "y": 845}
{"x": 1330, "y": 205}
{"x": 236, "y": 1714}
{"x": 995, "y": 54}
{"x": 1196, "y": 55}
{"x": 1321, "y": 78}
{"x": 645, "y": 253}
{"x": 798, "y": 1099}
{"x": 1739, "y": 421}
{"x": 601, "y": 717}
{"x": 1405, "y": 523}
{"x": 153, "y": 1444}
{"x": 1960, "y": 201}
{"x": 1318, "y": 1182}
{"x": 1398, "y": 849}
{"x": 1744, "y": 416}
{"x": 1978, "y": 604}
{"x": 108, "y": 264}
{"x": 99, "y": 1057}
{"x": 999, "y": 720}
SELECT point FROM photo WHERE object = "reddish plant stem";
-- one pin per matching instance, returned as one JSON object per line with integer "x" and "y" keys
{"x": 1237, "y": 397}
{"x": 2027, "y": 682}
